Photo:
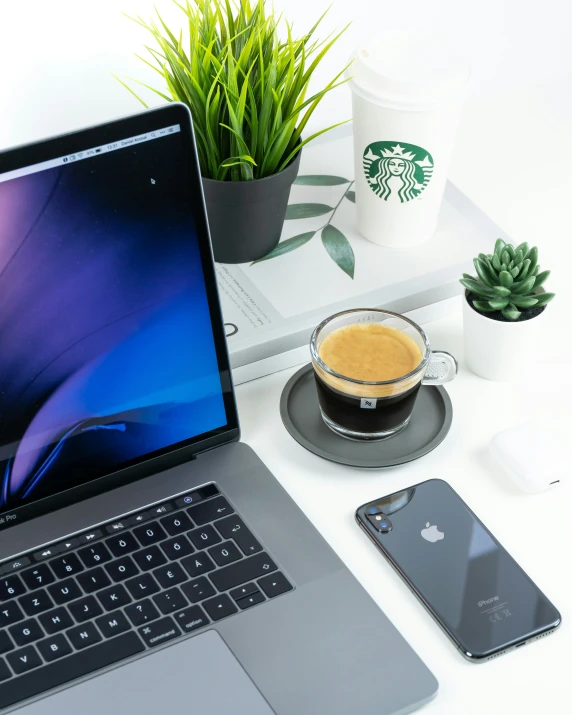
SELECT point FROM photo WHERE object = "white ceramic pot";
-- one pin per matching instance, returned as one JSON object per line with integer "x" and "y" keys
{"x": 499, "y": 351}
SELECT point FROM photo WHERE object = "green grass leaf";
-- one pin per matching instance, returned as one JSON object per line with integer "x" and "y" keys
{"x": 244, "y": 75}
{"x": 295, "y": 211}
{"x": 286, "y": 246}
{"x": 339, "y": 249}
{"x": 320, "y": 180}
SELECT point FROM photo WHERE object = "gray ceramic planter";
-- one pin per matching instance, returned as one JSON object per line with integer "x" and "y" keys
{"x": 246, "y": 217}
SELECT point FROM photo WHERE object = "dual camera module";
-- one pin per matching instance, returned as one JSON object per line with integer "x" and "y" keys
{"x": 378, "y": 519}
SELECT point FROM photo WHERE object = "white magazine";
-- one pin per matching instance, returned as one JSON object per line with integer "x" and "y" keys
{"x": 271, "y": 307}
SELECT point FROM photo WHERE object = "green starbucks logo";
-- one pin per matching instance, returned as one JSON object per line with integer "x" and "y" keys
{"x": 397, "y": 171}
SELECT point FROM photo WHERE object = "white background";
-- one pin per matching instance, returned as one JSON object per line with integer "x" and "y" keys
{"x": 513, "y": 158}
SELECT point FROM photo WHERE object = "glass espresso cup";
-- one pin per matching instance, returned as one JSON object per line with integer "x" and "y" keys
{"x": 366, "y": 410}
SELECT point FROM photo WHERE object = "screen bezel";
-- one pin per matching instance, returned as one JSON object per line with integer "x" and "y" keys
{"x": 160, "y": 460}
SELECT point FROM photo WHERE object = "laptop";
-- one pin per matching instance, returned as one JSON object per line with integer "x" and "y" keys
{"x": 149, "y": 561}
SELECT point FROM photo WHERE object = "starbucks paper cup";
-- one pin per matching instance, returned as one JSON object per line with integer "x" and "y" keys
{"x": 407, "y": 92}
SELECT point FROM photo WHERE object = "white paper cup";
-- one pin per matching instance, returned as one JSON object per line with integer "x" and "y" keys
{"x": 408, "y": 93}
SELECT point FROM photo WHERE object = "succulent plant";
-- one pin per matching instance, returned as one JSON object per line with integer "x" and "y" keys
{"x": 507, "y": 280}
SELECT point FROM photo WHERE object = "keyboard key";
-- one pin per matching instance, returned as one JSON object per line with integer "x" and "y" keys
{"x": 121, "y": 545}
{"x": 150, "y": 533}
{"x": 253, "y": 600}
{"x": 122, "y": 568}
{"x": 63, "y": 671}
{"x": 225, "y": 553}
{"x": 93, "y": 580}
{"x": 275, "y": 584}
{"x": 160, "y": 631}
{"x": 219, "y": 607}
{"x": 242, "y": 591}
{"x": 46, "y": 553}
{"x": 243, "y": 571}
{"x": 90, "y": 536}
{"x": 56, "y": 620}
{"x": 150, "y": 558}
{"x": 234, "y": 528}
{"x": 16, "y": 565}
{"x": 67, "y": 545}
{"x": 24, "y": 660}
{"x": 26, "y": 632}
{"x": 178, "y": 547}
{"x": 142, "y": 586}
{"x": 5, "y": 642}
{"x": 142, "y": 612}
{"x": 161, "y": 509}
{"x": 85, "y": 609}
{"x": 4, "y": 671}
{"x": 170, "y": 575}
{"x": 140, "y": 518}
{"x": 204, "y": 537}
{"x": 34, "y": 603}
{"x": 65, "y": 591}
{"x": 10, "y": 613}
{"x": 176, "y": 523}
{"x": 120, "y": 525}
{"x": 67, "y": 565}
{"x": 84, "y": 636}
{"x": 170, "y": 601}
{"x": 113, "y": 624}
{"x": 11, "y": 587}
{"x": 210, "y": 510}
{"x": 191, "y": 618}
{"x": 114, "y": 597}
{"x": 198, "y": 564}
{"x": 95, "y": 554}
{"x": 55, "y": 647}
{"x": 188, "y": 499}
{"x": 37, "y": 577}
{"x": 198, "y": 590}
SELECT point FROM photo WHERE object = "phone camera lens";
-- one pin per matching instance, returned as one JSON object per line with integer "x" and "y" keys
{"x": 379, "y": 520}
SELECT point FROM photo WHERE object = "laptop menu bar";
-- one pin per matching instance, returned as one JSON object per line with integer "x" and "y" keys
{"x": 92, "y": 152}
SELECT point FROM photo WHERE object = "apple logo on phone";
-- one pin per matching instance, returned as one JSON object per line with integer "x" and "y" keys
{"x": 432, "y": 533}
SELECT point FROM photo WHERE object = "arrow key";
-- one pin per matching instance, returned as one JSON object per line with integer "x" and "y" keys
{"x": 219, "y": 607}
{"x": 275, "y": 584}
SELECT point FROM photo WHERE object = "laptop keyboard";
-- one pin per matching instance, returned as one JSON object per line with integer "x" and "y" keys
{"x": 112, "y": 592}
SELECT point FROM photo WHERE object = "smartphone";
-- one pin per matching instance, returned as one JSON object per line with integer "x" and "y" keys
{"x": 474, "y": 589}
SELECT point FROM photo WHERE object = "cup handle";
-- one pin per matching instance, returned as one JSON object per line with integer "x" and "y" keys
{"x": 442, "y": 367}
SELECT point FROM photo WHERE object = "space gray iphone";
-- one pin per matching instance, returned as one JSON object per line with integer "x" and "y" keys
{"x": 475, "y": 590}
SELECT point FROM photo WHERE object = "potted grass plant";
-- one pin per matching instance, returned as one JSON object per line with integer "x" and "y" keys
{"x": 503, "y": 311}
{"x": 245, "y": 77}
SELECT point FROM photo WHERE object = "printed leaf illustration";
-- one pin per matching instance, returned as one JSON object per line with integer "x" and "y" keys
{"x": 320, "y": 180}
{"x": 351, "y": 195}
{"x": 290, "y": 244}
{"x": 339, "y": 249}
{"x": 306, "y": 210}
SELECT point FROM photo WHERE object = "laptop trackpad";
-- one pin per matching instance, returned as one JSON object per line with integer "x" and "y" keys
{"x": 194, "y": 677}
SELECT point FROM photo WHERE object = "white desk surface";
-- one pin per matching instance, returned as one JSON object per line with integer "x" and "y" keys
{"x": 528, "y": 193}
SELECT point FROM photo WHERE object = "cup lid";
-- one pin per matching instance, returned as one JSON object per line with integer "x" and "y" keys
{"x": 408, "y": 69}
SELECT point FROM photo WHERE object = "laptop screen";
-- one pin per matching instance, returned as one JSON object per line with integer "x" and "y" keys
{"x": 107, "y": 348}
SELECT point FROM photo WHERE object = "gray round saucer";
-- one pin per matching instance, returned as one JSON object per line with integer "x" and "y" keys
{"x": 430, "y": 423}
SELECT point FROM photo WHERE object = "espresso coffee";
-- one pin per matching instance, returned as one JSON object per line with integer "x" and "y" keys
{"x": 372, "y": 352}
{"x": 368, "y": 352}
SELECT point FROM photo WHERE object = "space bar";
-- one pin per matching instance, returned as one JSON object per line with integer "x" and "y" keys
{"x": 63, "y": 671}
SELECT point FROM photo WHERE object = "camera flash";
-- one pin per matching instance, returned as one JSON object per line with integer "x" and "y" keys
{"x": 378, "y": 517}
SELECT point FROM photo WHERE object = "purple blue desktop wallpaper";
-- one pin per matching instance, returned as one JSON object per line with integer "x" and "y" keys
{"x": 106, "y": 347}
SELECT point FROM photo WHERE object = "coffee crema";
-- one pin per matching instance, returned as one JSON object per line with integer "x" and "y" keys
{"x": 370, "y": 352}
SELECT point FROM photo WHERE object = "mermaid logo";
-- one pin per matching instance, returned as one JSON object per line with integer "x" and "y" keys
{"x": 397, "y": 171}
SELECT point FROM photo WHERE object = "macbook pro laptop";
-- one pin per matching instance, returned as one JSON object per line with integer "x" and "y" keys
{"x": 149, "y": 561}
